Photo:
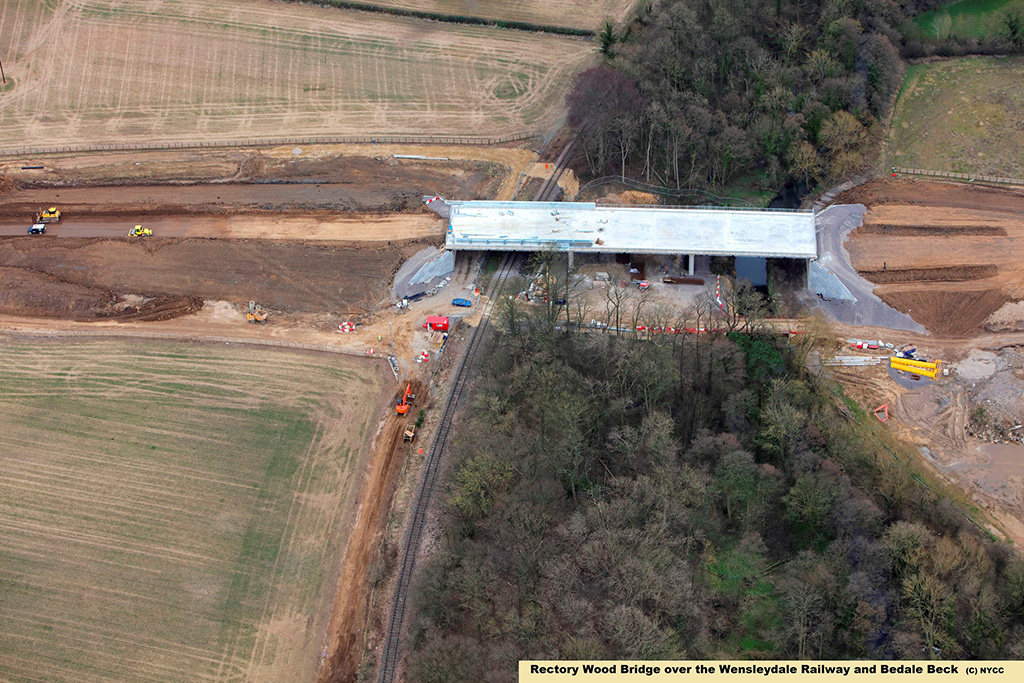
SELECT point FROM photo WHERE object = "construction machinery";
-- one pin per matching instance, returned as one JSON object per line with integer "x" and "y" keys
{"x": 402, "y": 404}
{"x": 51, "y": 215}
{"x": 410, "y": 433}
{"x": 256, "y": 313}
{"x": 139, "y": 231}
{"x": 914, "y": 366}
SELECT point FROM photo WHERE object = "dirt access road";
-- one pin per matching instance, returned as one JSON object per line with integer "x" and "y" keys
{"x": 947, "y": 254}
{"x": 318, "y": 226}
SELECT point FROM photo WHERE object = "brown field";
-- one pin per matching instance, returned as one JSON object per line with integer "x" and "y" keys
{"x": 587, "y": 14}
{"x": 82, "y": 279}
{"x": 948, "y": 255}
{"x": 175, "y": 512}
{"x": 104, "y": 71}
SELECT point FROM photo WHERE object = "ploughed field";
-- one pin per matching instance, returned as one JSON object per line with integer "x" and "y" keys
{"x": 949, "y": 255}
{"x": 174, "y": 512}
{"x": 138, "y": 71}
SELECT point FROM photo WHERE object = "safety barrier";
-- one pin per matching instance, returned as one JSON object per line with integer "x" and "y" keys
{"x": 274, "y": 142}
{"x": 969, "y": 177}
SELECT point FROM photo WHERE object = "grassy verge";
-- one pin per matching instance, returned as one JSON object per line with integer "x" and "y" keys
{"x": 962, "y": 115}
{"x": 978, "y": 19}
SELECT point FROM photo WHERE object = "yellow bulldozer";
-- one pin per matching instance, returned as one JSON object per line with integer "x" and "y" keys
{"x": 51, "y": 215}
{"x": 256, "y": 313}
{"x": 139, "y": 231}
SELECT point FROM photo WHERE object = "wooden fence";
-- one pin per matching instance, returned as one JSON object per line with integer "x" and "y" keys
{"x": 968, "y": 177}
{"x": 273, "y": 142}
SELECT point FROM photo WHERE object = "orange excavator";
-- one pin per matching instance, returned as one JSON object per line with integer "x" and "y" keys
{"x": 402, "y": 404}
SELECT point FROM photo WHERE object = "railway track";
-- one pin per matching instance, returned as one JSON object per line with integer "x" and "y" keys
{"x": 548, "y": 191}
{"x": 392, "y": 650}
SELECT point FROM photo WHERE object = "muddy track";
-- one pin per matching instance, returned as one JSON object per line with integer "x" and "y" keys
{"x": 391, "y": 655}
{"x": 348, "y": 620}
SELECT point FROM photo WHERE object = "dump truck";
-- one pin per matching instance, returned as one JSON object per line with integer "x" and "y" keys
{"x": 51, "y": 215}
{"x": 256, "y": 313}
{"x": 410, "y": 433}
{"x": 139, "y": 231}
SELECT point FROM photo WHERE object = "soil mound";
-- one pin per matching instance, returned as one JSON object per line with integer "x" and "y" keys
{"x": 929, "y": 193}
{"x": 948, "y": 255}
{"x": 629, "y": 197}
{"x": 932, "y": 231}
{"x": 950, "y": 274}
{"x": 952, "y": 312}
{"x": 39, "y": 295}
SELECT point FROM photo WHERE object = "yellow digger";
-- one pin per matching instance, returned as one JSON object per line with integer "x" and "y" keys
{"x": 51, "y": 215}
{"x": 139, "y": 231}
{"x": 256, "y": 314}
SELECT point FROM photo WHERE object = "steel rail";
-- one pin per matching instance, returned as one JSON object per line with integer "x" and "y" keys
{"x": 392, "y": 649}
{"x": 549, "y": 188}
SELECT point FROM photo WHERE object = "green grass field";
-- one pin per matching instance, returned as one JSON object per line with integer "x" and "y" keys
{"x": 966, "y": 19}
{"x": 174, "y": 512}
{"x": 964, "y": 115}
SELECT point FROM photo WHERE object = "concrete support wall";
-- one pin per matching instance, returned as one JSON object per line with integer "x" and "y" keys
{"x": 689, "y": 264}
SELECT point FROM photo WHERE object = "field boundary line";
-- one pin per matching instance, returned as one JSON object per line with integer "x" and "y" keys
{"x": 277, "y": 142}
{"x": 969, "y": 177}
{"x": 467, "y": 20}
{"x": 185, "y": 337}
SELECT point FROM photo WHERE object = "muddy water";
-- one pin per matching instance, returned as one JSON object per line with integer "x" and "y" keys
{"x": 1002, "y": 458}
{"x": 1001, "y": 474}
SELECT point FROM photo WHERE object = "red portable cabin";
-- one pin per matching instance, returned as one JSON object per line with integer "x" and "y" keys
{"x": 437, "y": 322}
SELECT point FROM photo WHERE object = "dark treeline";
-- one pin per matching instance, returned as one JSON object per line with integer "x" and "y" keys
{"x": 450, "y": 18}
{"x": 695, "y": 93}
{"x": 693, "y": 497}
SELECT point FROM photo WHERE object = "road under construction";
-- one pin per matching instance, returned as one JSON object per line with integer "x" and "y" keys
{"x": 314, "y": 268}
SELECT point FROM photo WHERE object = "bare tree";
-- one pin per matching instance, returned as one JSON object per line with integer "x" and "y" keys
{"x": 615, "y": 302}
